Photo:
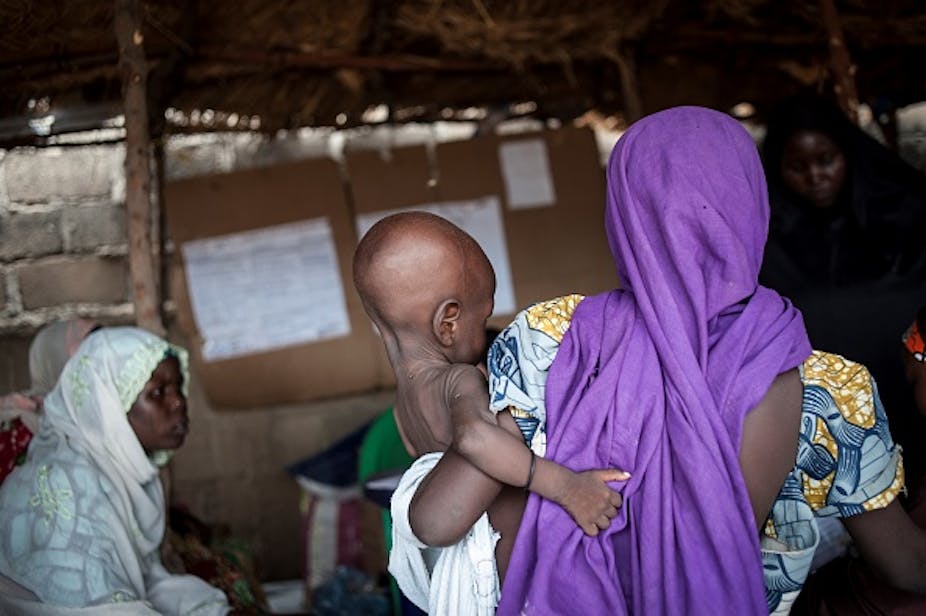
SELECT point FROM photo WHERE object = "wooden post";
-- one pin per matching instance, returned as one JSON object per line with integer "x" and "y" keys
{"x": 840, "y": 63}
{"x": 134, "y": 72}
{"x": 158, "y": 224}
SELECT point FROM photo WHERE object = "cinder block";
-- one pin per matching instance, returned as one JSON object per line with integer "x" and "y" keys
{"x": 37, "y": 176}
{"x": 88, "y": 226}
{"x": 183, "y": 160}
{"x": 4, "y": 198}
{"x": 28, "y": 234}
{"x": 73, "y": 280}
{"x": 261, "y": 152}
{"x": 14, "y": 362}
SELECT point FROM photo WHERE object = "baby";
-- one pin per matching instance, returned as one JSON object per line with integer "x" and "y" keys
{"x": 428, "y": 287}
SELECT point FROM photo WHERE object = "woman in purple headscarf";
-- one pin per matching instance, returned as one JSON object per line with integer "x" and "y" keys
{"x": 658, "y": 378}
{"x": 687, "y": 377}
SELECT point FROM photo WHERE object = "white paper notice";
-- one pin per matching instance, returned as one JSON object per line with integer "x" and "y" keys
{"x": 526, "y": 171}
{"x": 265, "y": 289}
{"x": 482, "y": 219}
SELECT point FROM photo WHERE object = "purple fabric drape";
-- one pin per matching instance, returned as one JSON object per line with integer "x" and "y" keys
{"x": 656, "y": 378}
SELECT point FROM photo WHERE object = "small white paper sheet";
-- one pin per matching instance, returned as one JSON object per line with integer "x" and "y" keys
{"x": 526, "y": 172}
{"x": 266, "y": 289}
{"x": 482, "y": 219}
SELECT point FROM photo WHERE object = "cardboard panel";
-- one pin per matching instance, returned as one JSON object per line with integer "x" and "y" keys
{"x": 401, "y": 179}
{"x": 221, "y": 204}
{"x": 553, "y": 250}
{"x": 377, "y": 182}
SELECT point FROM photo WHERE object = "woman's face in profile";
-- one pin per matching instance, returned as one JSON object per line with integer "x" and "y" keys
{"x": 814, "y": 167}
{"x": 159, "y": 416}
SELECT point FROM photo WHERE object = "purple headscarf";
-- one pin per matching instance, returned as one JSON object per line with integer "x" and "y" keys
{"x": 656, "y": 378}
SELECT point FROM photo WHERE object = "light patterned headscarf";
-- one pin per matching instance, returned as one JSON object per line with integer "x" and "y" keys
{"x": 98, "y": 387}
{"x": 53, "y": 345}
{"x": 84, "y": 516}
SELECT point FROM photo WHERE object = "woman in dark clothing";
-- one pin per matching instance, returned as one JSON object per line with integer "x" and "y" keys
{"x": 845, "y": 209}
{"x": 847, "y": 244}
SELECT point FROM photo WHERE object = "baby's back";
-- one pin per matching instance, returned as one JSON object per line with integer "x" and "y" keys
{"x": 422, "y": 409}
{"x": 423, "y": 415}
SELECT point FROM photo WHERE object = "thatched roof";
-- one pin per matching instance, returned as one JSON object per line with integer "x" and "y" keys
{"x": 272, "y": 65}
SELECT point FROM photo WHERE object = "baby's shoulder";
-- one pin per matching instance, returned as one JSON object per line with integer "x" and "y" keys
{"x": 465, "y": 380}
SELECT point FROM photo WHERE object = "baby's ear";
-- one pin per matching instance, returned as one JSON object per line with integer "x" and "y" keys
{"x": 445, "y": 321}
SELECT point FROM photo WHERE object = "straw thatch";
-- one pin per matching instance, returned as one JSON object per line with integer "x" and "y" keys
{"x": 323, "y": 62}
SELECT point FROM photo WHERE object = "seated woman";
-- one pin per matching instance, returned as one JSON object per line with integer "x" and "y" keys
{"x": 84, "y": 515}
{"x": 848, "y": 217}
{"x": 686, "y": 378}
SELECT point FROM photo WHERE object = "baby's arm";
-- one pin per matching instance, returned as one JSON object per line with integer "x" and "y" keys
{"x": 504, "y": 457}
{"x": 450, "y": 499}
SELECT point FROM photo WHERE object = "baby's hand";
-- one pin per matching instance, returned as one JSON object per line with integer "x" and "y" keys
{"x": 589, "y": 500}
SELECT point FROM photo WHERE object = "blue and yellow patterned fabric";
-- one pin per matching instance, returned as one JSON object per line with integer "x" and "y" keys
{"x": 519, "y": 360}
{"x": 847, "y": 462}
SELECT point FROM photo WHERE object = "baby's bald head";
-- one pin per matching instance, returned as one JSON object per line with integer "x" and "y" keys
{"x": 408, "y": 263}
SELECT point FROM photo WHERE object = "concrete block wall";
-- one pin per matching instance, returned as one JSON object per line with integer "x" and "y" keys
{"x": 63, "y": 224}
{"x": 62, "y": 236}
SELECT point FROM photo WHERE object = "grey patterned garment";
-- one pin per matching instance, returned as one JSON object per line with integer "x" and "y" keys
{"x": 84, "y": 516}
